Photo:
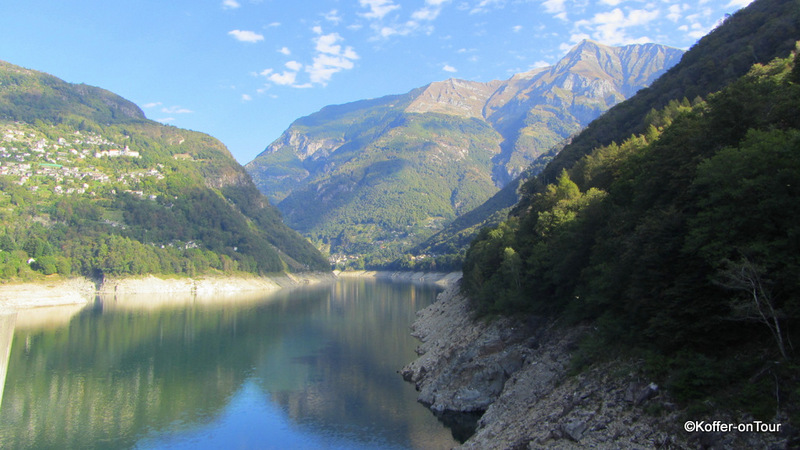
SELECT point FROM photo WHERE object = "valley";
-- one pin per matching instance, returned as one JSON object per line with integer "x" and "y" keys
{"x": 369, "y": 180}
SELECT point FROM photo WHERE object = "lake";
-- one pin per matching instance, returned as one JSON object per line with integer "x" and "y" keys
{"x": 314, "y": 367}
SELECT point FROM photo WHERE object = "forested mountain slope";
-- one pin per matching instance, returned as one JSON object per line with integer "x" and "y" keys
{"x": 678, "y": 244}
{"x": 757, "y": 34}
{"x": 91, "y": 187}
{"x": 377, "y": 176}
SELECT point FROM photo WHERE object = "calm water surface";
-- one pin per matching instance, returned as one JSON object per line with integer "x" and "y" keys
{"x": 307, "y": 368}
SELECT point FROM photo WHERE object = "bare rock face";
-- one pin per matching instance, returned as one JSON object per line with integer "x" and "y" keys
{"x": 514, "y": 377}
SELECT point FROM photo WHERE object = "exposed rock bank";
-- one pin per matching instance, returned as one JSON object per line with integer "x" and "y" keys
{"x": 443, "y": 279}
{"x": 515, "y": 376}
{"x": 15, "y": 296}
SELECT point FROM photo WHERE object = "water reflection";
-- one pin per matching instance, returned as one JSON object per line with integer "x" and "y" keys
{"x": 7, "y": 324}
{"x": 308, "y": 367}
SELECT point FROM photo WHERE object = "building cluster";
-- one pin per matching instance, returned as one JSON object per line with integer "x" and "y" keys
{"x": 63, "y": 164}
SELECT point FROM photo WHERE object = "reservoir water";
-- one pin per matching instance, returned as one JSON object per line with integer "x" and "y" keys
{"x": 304, "y": 368}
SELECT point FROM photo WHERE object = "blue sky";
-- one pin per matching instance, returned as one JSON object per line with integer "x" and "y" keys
{"x": 243, "y": 70}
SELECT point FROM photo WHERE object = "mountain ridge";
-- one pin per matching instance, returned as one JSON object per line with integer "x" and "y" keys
{"x": 449, "y": 145}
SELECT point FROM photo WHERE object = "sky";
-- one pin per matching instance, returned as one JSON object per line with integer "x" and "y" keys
{"x": 244, "y": 70}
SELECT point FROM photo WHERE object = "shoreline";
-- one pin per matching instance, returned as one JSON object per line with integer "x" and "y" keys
{"x": 443, "y": 279}
{"x": 508, "y": 383}
{"x": 82, "y": 291}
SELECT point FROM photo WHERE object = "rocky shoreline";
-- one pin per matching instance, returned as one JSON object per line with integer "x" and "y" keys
{"x": 72, "y": 291}
{"x": 512, "y": 378}
{"x": 444, "y": 279}
{"x": 55, "y": 292}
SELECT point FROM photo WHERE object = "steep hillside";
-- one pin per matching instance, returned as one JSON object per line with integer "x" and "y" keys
{"x": 677, "y": 246}
{"x": 766, "y": 30}
{"x": 376, "y": 177}
{"x": 91, "y": 187}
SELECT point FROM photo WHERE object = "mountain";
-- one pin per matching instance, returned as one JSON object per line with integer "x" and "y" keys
{"x": 378, "y": 176}
{"x": 766, "y": 31}
{"x": 90, "y": 186}
{"x": 668, "y": 228}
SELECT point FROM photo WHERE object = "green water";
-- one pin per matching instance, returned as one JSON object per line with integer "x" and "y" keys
{"x": 307, "y": 368}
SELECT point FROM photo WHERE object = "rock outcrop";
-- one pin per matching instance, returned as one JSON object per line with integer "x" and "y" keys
{"x": 514, "y": 379}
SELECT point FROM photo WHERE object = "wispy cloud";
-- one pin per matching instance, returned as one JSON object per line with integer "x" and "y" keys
{"x": 246, "y": 36}
{"x": 286, "y": 78}
{"x": 293, "y": 65}
{"x": 378, "y": 9}
{"x": 449, "y": 68}
{"x": 557, "y": 8}
{"x": 333, "y": 17}
{"x": 612, "y": 27}
{"x": 246, "y": 98}
{"x": 485, "y": 5}
{"x": 430, "y": 11}
{"x": 151, "y": 105}
{"x": 230, "y": 4}
{"x": 330, "y": 57}
{"x": 285, "y": 51}
{"x": 176, "y": 110}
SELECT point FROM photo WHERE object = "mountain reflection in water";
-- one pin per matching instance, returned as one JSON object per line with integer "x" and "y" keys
{"x": 301, "y": 368}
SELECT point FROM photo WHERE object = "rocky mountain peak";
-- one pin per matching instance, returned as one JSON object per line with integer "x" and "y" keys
{"x": 455, "y": 97}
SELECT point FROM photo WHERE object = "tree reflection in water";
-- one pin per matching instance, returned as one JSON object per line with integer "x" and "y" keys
{"x": 308, "y": 367}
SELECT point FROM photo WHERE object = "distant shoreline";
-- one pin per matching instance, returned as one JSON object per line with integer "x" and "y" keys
{"x": 444, "y": 279}
{"x": 77, "y": 291}
{"x": 42, "y": 293}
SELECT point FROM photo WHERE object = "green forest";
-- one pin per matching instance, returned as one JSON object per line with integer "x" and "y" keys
{"x": 680, "y": 245}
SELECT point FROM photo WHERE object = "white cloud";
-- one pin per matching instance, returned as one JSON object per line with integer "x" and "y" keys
{"x": 675, "y": 12}
{"x": 285, "y": 51}
{"x": 449, "y": 68}
{"x": 151, "y": 105}
{"x": 611, "y": 27}
{"x": 230, "y": 4}
{"x": 284, "y": 79}
{"x": 738, "y": 3}
{"x": 246, "y": 98}
{"x": 554, "y": 6}
{"x": 611, "y": 2}
{"x": 246, "y": 36}
{"x": 176, "y": 110}
{"x": 326, "y": 43}
{"x": 377, "y": 8}
{"x": 330, "y": 58}
{"x": 484, "y": 6}
{"x": 426, "y": 13}
{"x": 293, "y": 65}
{"x": 388, "y": 31}
{"x": 325, "y": 65}
{"x": 333, "y": 16}
{"x": 516, "y": 28}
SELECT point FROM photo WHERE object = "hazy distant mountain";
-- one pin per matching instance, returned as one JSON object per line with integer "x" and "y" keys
{"x": 380, "y": 175}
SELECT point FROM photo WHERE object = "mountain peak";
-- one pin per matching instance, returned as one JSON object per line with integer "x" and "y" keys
{"x": 455, "y": 97}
